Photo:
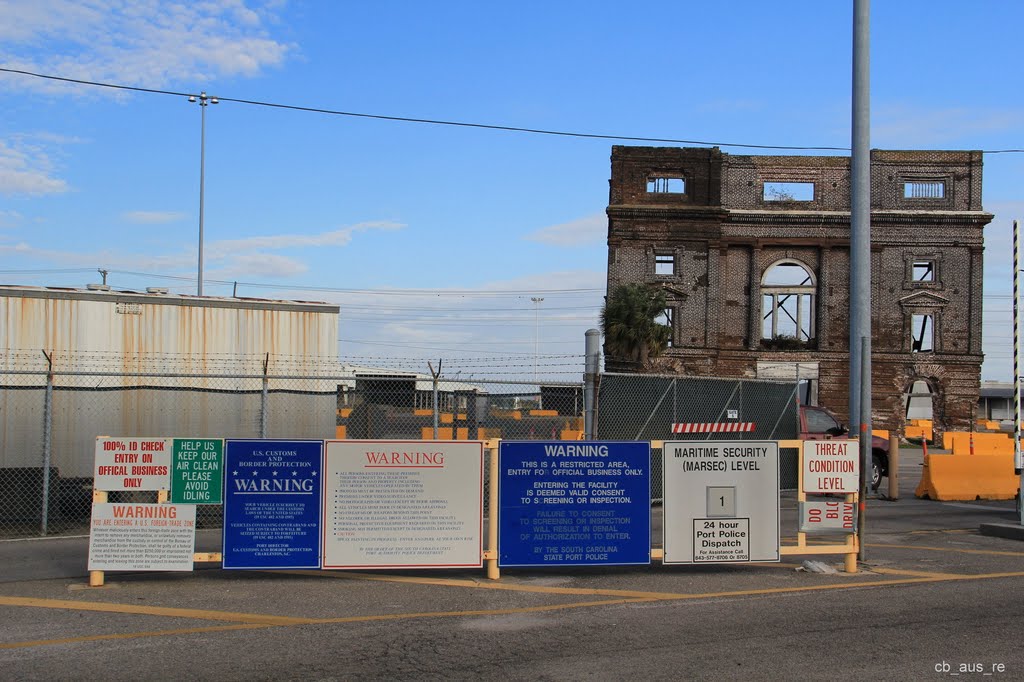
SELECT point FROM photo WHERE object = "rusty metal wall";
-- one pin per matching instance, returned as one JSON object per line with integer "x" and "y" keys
{"x": 148, "y": 332}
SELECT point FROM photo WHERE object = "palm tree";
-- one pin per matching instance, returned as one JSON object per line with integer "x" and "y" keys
{"x": 628, "y": 323}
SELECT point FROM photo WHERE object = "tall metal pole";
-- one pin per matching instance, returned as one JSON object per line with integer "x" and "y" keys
{"x": 1017, "y": 464}
{"x": 47, "y": 444}
{"x": 592, "y": 367}
{"x": 860, "y": 252}
{"x": 203, "y": 101}
{"x": 860, "y": 215}
{"x": 202, "y": 191}
{"x": 865, "y": 444}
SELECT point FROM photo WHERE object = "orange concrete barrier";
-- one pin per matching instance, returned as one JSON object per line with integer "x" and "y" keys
{"x": 968, "y": 477}
{"x": 919, "y": 428}
{"x": 984, "y": 443}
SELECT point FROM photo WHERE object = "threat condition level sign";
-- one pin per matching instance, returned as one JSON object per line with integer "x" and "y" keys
{"x": 831, "y": 466}
{"x": 132, "y": 463}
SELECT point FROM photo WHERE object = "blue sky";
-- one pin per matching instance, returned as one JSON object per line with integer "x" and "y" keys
{"x": 434, "y": 239}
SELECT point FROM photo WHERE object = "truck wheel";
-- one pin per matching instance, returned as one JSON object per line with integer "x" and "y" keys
{"x": 876, "y": 472}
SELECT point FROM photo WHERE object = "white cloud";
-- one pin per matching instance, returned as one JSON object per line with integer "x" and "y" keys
{"x": 901, "y": 126}
{"x": 25, "y": 169}
{"x": 410, "y": 333}
{"x": 258, "y": 265}
{"x": 10, "y": 218}
{"x": 590, "y": 230}
{"x": 228, "y": 259}
{"x": 340, "y": 237}
{"x": 151, "y": 217}
{"x": 142, "y": 42}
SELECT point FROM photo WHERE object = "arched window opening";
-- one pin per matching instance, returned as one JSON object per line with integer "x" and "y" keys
{"x": 788, "y": 292}
{"x": 920, "y": 403}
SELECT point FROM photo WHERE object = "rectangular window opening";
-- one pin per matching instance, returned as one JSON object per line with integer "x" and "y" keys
{"x": 789, "y": 191}
{"x": 924, "y": 271}
{"x": 922, "y": 333}
{"x": 664, "y": 264}
{"x": 666, "y": 185}
{"x": 924, "y": 189}
{"x": 665, "y": 318}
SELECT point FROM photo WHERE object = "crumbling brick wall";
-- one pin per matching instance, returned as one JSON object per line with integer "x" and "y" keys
{"x": 710, "y": 214}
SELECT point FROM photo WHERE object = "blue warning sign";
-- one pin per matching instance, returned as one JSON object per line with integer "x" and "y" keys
{"x": 574, "y": 503}
{"x": 272, "y": 498}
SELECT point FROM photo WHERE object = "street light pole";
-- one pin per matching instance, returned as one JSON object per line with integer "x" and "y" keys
{"x": 203, "y": 100}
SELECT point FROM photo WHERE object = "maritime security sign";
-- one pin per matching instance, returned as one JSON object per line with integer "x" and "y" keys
{"x": 721, "y": 502}
{"x": 574, "y": 504}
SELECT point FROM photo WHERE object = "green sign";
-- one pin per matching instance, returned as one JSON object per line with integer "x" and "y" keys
{"x": 197, "y": 472}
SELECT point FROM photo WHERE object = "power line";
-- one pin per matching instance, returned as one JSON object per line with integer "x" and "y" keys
{"x": 378, "y": 292}
{"x": 441, "y": 122}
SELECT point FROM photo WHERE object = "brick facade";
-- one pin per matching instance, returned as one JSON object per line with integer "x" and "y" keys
{"x": 720, "y": 222}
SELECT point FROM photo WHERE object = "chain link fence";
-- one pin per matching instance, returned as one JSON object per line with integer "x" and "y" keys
{"x": 52, "y": 408}
{"x": 50, "y": 418}
{"x": 646, "y": 407}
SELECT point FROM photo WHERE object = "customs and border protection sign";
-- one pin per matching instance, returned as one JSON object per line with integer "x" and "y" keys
{"x": 721, "y": 501}
{"x": 272, "y": 503}
{"x": 132, "y": 463}
{"x": 197, "y": 475}
{"x": 583, "y": 503}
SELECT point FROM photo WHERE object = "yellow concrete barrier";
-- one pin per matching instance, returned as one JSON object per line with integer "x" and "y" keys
{"x": 968, "y": 477}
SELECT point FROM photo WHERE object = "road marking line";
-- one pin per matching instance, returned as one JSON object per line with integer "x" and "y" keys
{"x": 143, "y": 610}
{"x": 133, "y": 635}
{"x": 923, "y": 574}
{"x": 487, "y": 612}
{"x": 961, "y": 505}
{"x": 258, "y": 621}
{"x": 948, "y": 549}
{"x": 943, "y": 530}
{"x": 491, "y": 585}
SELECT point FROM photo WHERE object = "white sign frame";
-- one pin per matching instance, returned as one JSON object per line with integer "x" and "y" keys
{"x": 132, "y": 463}
{"x": 433, "y": 520}
{"x": 142, "y": 537}
{"x": 721, "y": 482}
{"x": 828, "y": 516}
{"x": 839, "y": 461}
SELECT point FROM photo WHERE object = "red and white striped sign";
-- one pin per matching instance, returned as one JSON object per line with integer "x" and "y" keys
{"x": 730, "y": 427}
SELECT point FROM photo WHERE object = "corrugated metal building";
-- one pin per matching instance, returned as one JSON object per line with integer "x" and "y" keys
{"x": 158, "y": 364}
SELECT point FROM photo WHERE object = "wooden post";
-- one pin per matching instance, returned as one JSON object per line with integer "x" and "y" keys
{"x": 493, "y": 572}
{"x": 96, "y": 577}
{"x": 894, "y": 467}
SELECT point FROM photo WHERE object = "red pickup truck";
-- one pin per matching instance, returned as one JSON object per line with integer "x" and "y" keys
{"x": 817, "y": 423}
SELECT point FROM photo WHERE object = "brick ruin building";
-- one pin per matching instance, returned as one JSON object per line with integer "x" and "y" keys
{"x": 753, "y": 255}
